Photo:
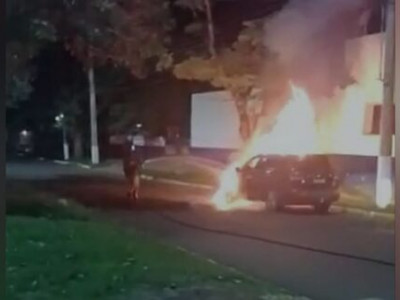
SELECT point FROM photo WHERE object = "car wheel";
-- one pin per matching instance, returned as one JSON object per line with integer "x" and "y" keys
{"x": 322, "y": 208}
{"x": 276, "y": 204}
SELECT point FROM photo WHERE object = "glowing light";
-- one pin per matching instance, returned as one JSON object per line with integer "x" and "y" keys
{"x": 384, "y": 191}
{"x": 384, "y": 183}
{"x": 294, "y": 132}
{"x": 59, "y": 118}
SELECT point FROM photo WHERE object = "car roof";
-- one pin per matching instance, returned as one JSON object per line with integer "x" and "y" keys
{"x": 293, "y": 158}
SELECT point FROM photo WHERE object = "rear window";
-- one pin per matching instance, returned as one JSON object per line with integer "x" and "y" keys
{"x": 272, "y": 162}
{"x": 309, "y": 163}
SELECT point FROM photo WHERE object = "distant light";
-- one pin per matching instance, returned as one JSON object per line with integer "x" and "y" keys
{"x": 139, "y": 125}
{"x": 59, "y": 118}
{"x": 24, "y": 132}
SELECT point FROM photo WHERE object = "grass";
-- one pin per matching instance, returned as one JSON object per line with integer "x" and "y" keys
{"x": 68, "y": 259}
{"x": 355, "y": 197}
{"x": 184, "y": 169}
{"x": 23, "y": 200}
{"x": 55, "y": 253}
{"x": 196, "y": 176}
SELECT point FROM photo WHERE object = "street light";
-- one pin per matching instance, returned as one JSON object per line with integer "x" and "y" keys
{"x": 60, "y": 119}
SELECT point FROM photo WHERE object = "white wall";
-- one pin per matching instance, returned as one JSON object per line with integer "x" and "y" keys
{"x": 365, "y": 61}
{"x": 214, "y": 121}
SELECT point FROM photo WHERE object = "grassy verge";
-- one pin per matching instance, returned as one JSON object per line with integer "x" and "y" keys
{"x": 351, "y": 197}
{"x": 22, "y": 199}
{"x": 67, "y": 259}
{"x": 196, "y": 176}
{"x": 354, "y": 197}
{"x": 55, "y": 253}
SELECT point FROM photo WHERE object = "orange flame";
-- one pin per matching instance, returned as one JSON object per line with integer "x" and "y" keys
{"x": 295, "y": 132}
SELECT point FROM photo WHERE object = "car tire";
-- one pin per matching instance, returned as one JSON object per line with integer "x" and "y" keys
{"x": 276, "y": 204}
{"x": 322, "y": 208}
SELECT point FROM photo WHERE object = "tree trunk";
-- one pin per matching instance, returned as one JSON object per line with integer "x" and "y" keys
{"x": 244, "y": 128}
{"x": 78, "y": 144}
{"x": 210, "y": 27}
{"x": 244, "y": 121}
{"x": 241, "y": 102}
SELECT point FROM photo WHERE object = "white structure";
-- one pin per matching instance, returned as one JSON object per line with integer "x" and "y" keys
{"x": 215, "y": 123}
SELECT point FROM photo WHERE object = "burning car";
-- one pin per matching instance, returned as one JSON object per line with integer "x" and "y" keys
{"x": 285, "y": 180}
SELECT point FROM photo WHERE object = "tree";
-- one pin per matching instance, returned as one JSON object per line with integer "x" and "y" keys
{"x": 128, "y": 33}
{"x": 25, "y": 35}
{"x": 69, "y": 103}
{"x": 204, "y": 6}
{"x": 249, "y": 71}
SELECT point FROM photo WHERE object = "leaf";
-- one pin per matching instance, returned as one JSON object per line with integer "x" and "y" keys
{"x": 191, "y": 4}
{"x": 194, "y": 28}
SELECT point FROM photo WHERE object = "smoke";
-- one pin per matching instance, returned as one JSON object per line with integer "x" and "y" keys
{"x": 309, "y": 36}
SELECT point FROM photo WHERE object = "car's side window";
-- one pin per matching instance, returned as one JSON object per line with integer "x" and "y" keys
{"x": 262, "y": 163}
{"x": 252, "y": 164}
{"x": 271, "y": 164}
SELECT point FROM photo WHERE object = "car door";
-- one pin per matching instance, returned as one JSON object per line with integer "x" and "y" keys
{"x": 264, "y": 178}
{"x": 272, "y": 174}
{"x": 249, "y": 177}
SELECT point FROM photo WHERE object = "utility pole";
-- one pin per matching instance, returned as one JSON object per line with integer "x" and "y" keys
{"x": 93, "y": 117}
{"x": 384, "y": 179}
{"x": 60, "y": 119}
{"x": 397, "y": 136}
{"x": 65, "y": 142}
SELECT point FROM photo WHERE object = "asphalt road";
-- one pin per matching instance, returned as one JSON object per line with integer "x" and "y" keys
{"x": 266, "y": 245}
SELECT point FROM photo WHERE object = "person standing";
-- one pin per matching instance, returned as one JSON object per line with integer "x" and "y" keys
{"x": 131, "y": 164}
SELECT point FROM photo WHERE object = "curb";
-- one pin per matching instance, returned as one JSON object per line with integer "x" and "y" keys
{"x": 69, "y": 163}
{"x": 365, "y": 213}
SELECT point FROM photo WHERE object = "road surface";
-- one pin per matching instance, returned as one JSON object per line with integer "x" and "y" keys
{"x": 339, "y": 256}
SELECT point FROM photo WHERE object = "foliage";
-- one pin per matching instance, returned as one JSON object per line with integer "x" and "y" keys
{"x": 242, "y": 69}
{"x": 18, "y": 88}
{"x": 194, "y": 5}
{"x": 127, "y": 33}
{"x": 25, "y": 35}
{"x": 236, "y": 68}
{"x": 206, "y": 7}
